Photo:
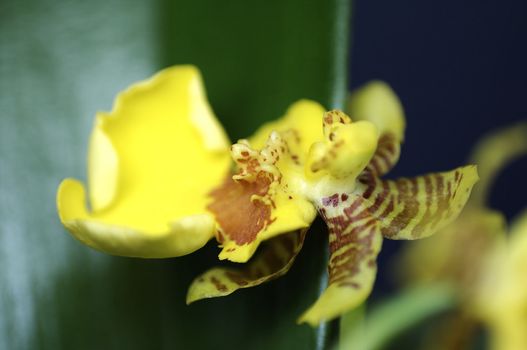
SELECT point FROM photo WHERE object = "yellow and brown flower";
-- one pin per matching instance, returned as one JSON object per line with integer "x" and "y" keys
{"x": 161, "y": 184}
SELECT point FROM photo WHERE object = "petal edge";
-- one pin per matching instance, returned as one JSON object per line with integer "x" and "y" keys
{"x": 183, "y": 236}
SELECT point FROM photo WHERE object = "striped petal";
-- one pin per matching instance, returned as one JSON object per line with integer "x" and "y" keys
{"x": 273, "y": 260}
{"x": 376, "y": 102}
{"x": 412, "y": 208}
{"x": 355, "y": 241}
{"x": 385, "y": 157}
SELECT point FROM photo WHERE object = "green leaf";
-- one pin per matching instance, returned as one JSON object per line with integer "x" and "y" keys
{"x": 392, "y": 317}
{"x": 62, "y": 61}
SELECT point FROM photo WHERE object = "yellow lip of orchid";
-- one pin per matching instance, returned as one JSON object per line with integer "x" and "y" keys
{"x": 152, "y": 161}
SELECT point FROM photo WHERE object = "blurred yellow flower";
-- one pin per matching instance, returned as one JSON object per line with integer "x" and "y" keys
{"x": 487, "y": 267}
{"x": 161, "y": 184}
{"x": 501, "y": 298}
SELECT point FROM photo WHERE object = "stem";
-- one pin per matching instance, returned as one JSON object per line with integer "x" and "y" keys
{"x": 322, "y": 329}
{"x": 326, "y": 332}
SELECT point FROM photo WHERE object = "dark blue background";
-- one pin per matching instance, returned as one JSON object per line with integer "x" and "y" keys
{"x": 460, "y": 69}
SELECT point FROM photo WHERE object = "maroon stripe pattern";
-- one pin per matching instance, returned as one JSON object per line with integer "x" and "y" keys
{"x": 412, "y": 208}
{"x": 273, "y": 259}
{"x": 386, "y": 155}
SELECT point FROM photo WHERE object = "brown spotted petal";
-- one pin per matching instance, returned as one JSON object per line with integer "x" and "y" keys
{"x": 260, "y": 200}
{"x": 413, "y": 208}
{"x": 354, "y": 241}
{"x": 273, "y": 260}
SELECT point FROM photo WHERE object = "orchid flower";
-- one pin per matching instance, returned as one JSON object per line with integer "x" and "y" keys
{"x": 162, "y": 184}
{"x": 486, "y": 265}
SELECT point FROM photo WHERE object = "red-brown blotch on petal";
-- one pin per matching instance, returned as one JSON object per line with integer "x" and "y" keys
{"x": 238, "y": 214}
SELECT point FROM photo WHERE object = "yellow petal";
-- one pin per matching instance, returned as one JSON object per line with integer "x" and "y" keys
{"x": 376, "y": 102}
{"x": 508, "y": 334}
{"x": 152, "y": 162}
{"x": 518, "y": 240}
{"x": 181, "y": 237}
{"x": 303, "y": 118}
{"x": 334, "y": 164}
{"x": 514, "y": 284}
{"x": 502, "y": 299}
{"x": 273, "y": 260}
{"x": 412, "y": 208}
{"x": 103, "y": 169}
